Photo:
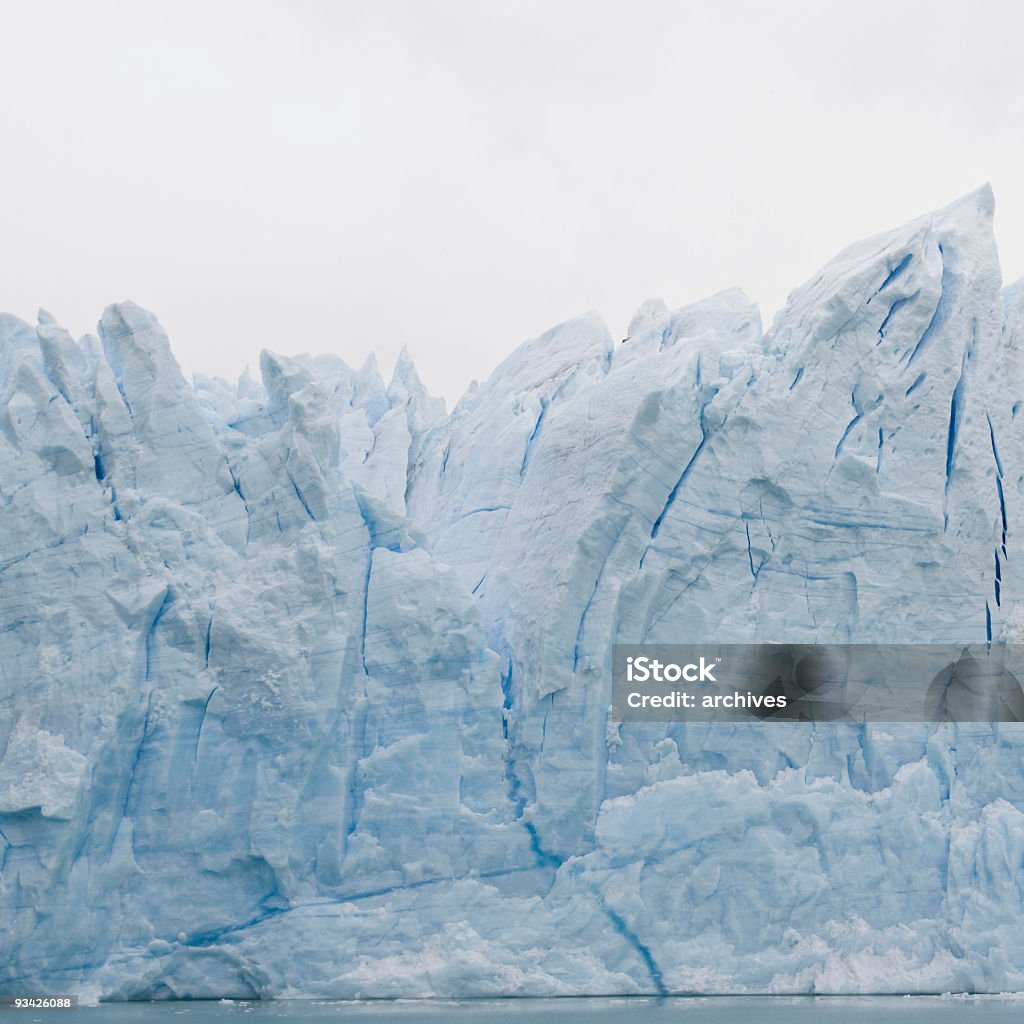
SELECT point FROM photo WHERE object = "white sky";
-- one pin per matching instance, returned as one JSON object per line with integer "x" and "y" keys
{"x": 459, "y": 176}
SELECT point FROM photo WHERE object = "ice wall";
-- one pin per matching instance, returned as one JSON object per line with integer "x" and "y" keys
{"x": 304, "y": 682}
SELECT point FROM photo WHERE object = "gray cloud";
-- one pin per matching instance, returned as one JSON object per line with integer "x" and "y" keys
{"x": 458, "y": 176}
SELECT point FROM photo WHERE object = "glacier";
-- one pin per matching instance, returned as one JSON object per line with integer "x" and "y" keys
{"x": 304, "y": 682}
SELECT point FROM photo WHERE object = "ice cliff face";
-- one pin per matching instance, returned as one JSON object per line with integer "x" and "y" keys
{"x": 304, "y": 683}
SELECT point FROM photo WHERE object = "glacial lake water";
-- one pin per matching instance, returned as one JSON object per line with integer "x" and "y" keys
{"x": 717, "y": 1010}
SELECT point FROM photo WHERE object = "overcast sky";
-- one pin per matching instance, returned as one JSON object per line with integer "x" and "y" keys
{"x": 459, "y": 176}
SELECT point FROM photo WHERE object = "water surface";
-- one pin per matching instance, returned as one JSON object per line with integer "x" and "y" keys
{"x": 717, "y": 1010}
